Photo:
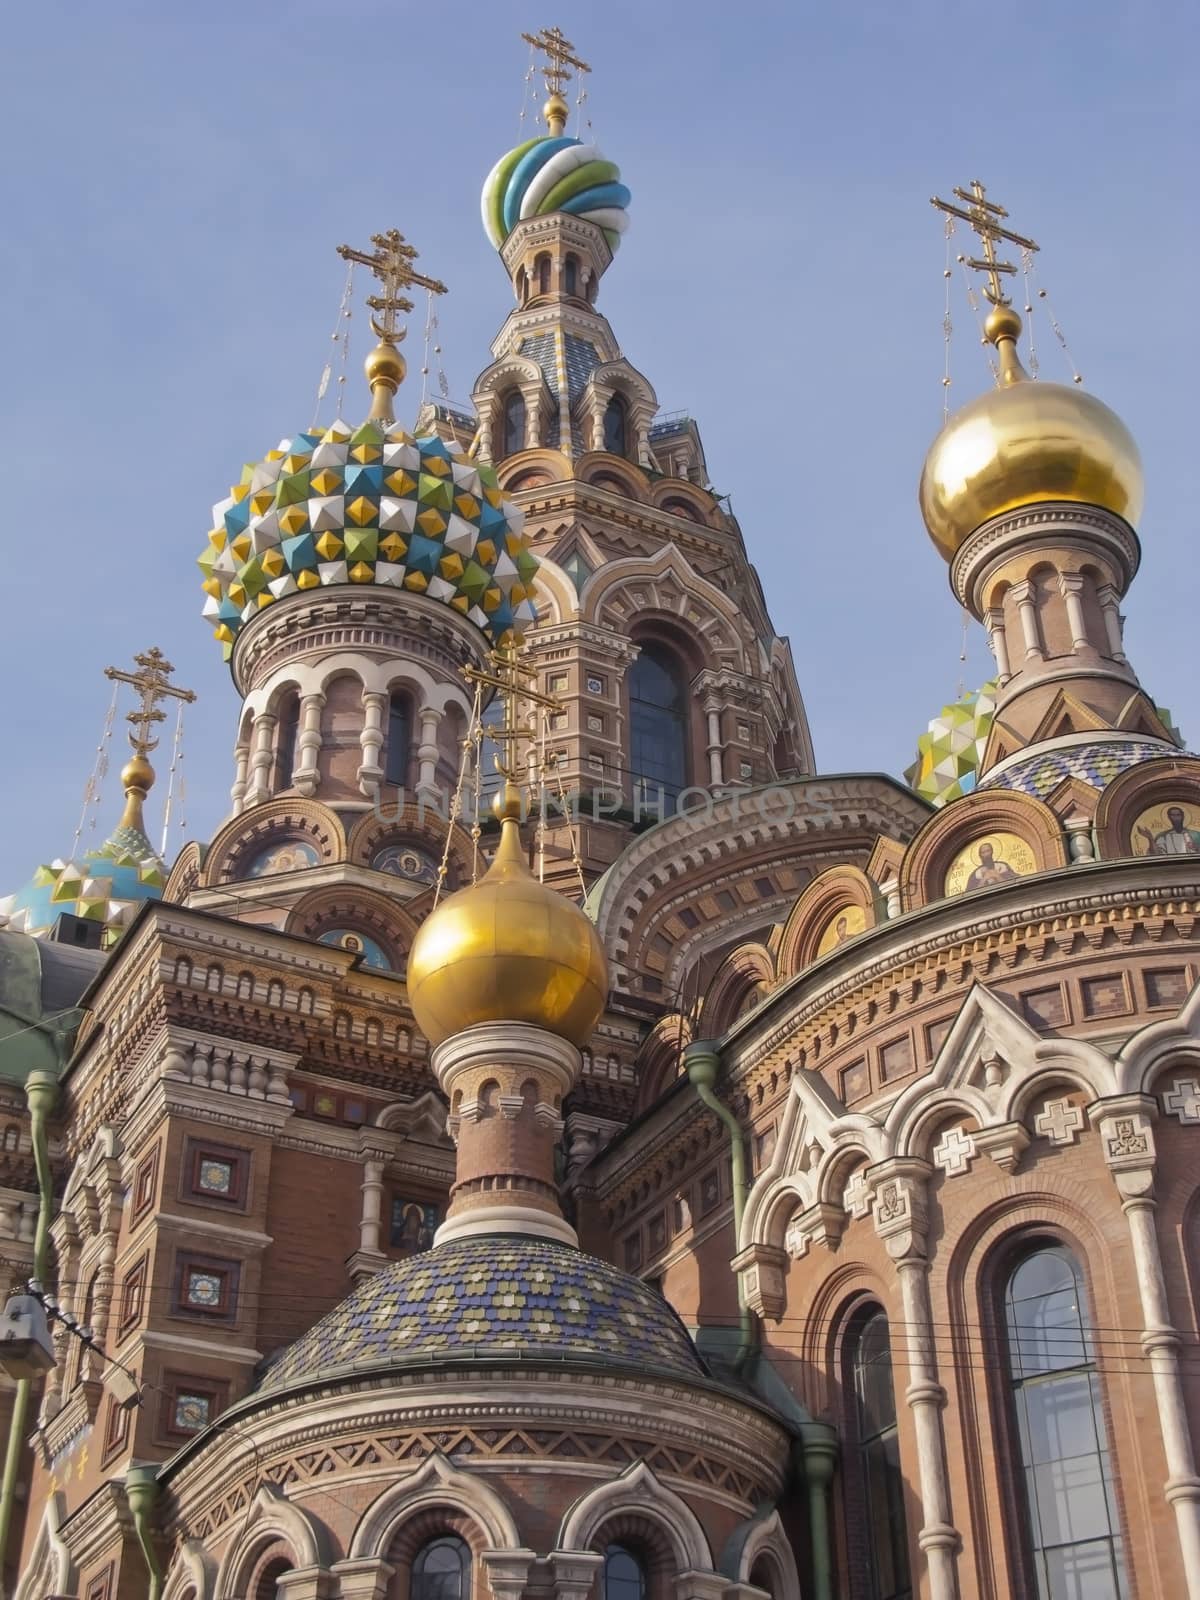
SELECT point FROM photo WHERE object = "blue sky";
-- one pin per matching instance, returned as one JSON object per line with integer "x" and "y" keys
{"x": 176, "y": 180}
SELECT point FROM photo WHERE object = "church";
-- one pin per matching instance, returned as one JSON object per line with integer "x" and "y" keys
{"x": 554, "y": 1143}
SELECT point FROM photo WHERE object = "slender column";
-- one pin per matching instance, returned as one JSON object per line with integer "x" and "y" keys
{"x": 1023, "y": 594}
{"x": 998, "y": 639}
{"x": 372, "y": 1204}
{"x": 241, "y": 772}
{"x": 1127, "y": 1139}
{"x": 306, "y": 777}
{"x": 427, "y": 751}
{"x": 1070, "y": 586}
{"x": 370, "y": 773}
{"x": 712, "y": 710}
{"x": 261, "y": 758}
{"x": 900, "y": 1220}
{"x": 1109, "y": 606}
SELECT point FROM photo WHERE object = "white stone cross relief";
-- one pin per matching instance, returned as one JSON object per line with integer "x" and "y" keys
{"x": 1060, "y": 1122}
{"x": 855, "y": 1197}
{"x": 954, "y": 1152}
{"x": 1183, "y": 1100}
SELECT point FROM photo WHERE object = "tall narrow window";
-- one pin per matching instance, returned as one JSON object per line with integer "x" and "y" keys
{"x": 399, "y": 736}
{"x": 442, "y": 1571}
{"x": 543, "y": 274}
{"x": 514, "y": 422}
{"x": 658, "y": 734}
{"x": 287, "y": 733}
{"x": 880, "y": 1482}
{"x": 1074, "y": 1538}
{"x": 616, "y": 426}
{"x": 571, "y": 276}
{"x": 624, "y": 1578}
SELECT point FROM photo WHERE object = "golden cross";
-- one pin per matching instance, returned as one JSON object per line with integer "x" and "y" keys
{"x": 150, "y": 681}
{"x": 559, "y": 53}
{"x": 511, "y": 677}
{"x": 392, "y": 264}
{"x": 984, "y": 217}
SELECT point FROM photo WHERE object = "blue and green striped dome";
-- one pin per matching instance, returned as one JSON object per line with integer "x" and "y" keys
{"x": 554, "y": 173}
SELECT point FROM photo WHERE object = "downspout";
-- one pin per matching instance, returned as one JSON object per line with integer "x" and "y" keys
{"x": 703, "y": 1061}
{"x": 818, "y": 1447}
{"x": 141, "y": 1495}
{"x": 41, "y": 1091}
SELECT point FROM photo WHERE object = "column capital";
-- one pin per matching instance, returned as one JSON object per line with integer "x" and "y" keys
{"x": 900, "y": 1196}
{"x": 1125, "y": 1125}
{"x": 574, "y": 1572}
{"x": 507, "y": 1571}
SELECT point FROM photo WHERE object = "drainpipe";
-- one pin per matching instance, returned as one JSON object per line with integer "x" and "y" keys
{"x": 141, "y": 1494}
{"x": 703, "y": 1061}
{"x": 818, "y": 1447}
{"x": 41, "y": 1090}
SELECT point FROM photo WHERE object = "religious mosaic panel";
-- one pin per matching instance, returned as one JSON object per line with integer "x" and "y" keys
{"x": 370, "y": 952}
{"x": 287, "y": 855}
{"x": 1168, "y": 830}
{"x": 996, "y": 858}
{"x": 843, "y": 925}
{"x": 413, "y": 1225}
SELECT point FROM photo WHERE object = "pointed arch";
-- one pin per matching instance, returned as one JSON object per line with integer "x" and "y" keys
{"x": 637, "y": 1490}
{"x": 271, "y": 1519}
{"x": 435, "y": 1484}
{"x": 759, "y": 1536}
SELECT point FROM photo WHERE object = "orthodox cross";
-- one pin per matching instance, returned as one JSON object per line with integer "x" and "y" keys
{"x": 152, "y": 685}
{"x": 392, "y": 263}
{"x": 984, "y": 216}
{"x": 511, "y": 677}
{"x": 559, "y": 53}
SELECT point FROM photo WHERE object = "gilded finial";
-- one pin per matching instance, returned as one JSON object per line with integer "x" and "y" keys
{"x": 560, "y": 54}
{"x": 392, "y": 263}
{"x": 1003, "y": 326}
{"x": 151, "y": 681}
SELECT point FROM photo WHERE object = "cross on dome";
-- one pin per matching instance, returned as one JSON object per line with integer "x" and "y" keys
{"x": 560, "y": 54}
{"x": 984, "y": 216}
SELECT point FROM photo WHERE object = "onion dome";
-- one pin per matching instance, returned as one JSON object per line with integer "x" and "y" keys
{"x": 105, "y": 886}
{"x": 554, "y": 173}
{"x": 369, "y": 505}
{"x": 487, "y": 1296}
{"x": 950, "y": 751}
{"x": 507, "y": 949}
{"x": 1025, "y": 442}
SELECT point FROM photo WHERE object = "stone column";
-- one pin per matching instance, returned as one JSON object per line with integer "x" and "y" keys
{"x": 1070, "y": 586}
{"x": 1110, "y": 607}
{"x": 899, "y": 1188}
{"x": 364, "y": 1578}
{"x": 1023, "y": 594}
{"x": 241, "y": 771}
{"x": 574, "y": 1573}
{"x": 998, "y": 639}
{"x": 507, "y": 1572}
{"x": 306, "y": 776}
{"x": 370, "y": 773}
{"x": 427, "y": 752}
{"x": 712, "y": 710}
{"x": 262, "y": 758}
{"x": 1127, "y": 1138}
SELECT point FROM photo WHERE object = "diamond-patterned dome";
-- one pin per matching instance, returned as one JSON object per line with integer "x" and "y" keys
{"x": 497, "y": 1297}
{"x": 107, "y": 885}
{"x": 369, "y": 505}
{"x": 950, "y": 750}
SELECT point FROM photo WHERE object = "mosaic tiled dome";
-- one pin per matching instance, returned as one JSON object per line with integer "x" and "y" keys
{"x": 951, "y": 748}
{"x": 1096, "y": 763}
{"x": 107, "y": 885}
{"x": 554, "y": 173}
{"x": 498, "y": 1297}
{"x": 369, "y": 505}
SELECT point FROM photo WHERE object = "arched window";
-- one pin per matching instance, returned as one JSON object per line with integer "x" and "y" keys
{"x": 442, "y": 1571}
{"x": 624, "y": 1578}
{"x": 657, "y": 731}
{"x": 616, "y": 426}
{"x": 514, "y": 422}
{"x": 543, "y": 274}
{"x": 1073, "y": 1538}
{"x": 245, "y": 986}
{"x": 285, "y": 742}
{"x": 879, "y": 1482}
{"x": 571, "y": 275}
{"x": 214, "y": 979}
{"x": 399, "y": 738}
{"x": 266, "y": 1586}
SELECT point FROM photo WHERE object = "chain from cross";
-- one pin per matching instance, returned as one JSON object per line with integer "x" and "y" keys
{"x": 984, "y": 217}
{"x": 511, "y": 677}
{"x": 152, "y": 685}
{"x": 559, "y": 53}
{"x": 392, "y": 263}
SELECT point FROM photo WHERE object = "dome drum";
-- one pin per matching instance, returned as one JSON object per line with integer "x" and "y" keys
{"x": 1089, "y": 530}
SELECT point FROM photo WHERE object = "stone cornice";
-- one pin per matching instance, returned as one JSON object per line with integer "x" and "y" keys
{"x": 1052, "y": 522}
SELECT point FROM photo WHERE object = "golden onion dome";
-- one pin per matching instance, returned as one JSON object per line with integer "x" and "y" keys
{"x": 508, "y": 949}
{"x": 1025, "y": 442}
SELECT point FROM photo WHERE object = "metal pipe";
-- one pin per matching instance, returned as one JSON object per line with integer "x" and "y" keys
{"x": 703, "y": 1061}
{"x": 818, "y": 1447}
{"x": 41, "y": 1091}
{"x": 141, "y": 1495}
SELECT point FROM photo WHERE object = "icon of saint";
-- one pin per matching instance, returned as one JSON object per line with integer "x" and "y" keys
{"x": 989, "y": 871}
{"x": 1175, "y": 840}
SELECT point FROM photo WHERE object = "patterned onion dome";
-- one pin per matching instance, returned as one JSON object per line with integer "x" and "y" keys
{"x": 951, "y": 749}
{"x": 1095, "y": 763}
{"x": 554, "y": 173}
{"x": 107, "y": 885}
{"x": 498, "y": 1297}
{"x": 369, "y": 505}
